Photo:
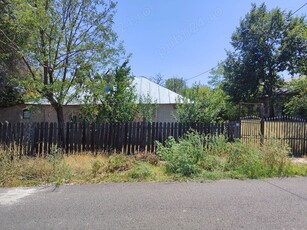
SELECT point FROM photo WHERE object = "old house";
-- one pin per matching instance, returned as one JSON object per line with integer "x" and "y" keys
{"x": 164, "y": 99}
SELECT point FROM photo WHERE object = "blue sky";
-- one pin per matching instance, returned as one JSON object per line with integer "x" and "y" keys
{"x": 181, "y": 38}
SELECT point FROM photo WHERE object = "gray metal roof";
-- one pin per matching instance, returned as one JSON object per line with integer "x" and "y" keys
{"x": 144, "y": 88}
{"x": 157, "y": 93}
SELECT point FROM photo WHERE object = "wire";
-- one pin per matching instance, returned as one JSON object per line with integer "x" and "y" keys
{"x": 298, "y": 9}
{"x": 201, "y": 73}
{"x": 217, "y": 65}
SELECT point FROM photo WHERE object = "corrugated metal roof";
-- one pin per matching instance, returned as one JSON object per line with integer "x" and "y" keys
{"x": 157, "y": 93}
{"x": 144, "y": 88}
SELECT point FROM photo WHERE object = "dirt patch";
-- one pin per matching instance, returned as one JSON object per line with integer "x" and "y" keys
{"x": 302, "y": 160}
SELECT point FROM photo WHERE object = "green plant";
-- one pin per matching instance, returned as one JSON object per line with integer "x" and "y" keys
{"x": 275, "y": 155}
{"x": 96, "y": 165}
{"x": 118, "y": 163}
{"x": 182, "y": 157}
{"x": 141, "y": 171}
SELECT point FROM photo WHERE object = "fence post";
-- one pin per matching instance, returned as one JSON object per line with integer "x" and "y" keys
{"x": 262, "y": 131}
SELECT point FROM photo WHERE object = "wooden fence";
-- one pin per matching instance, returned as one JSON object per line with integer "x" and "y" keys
{"x": 289, "y": 130}
{"x": 39, "y": 139}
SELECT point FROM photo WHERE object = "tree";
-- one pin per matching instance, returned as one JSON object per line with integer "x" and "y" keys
{"x": 158, "y": 79}
{"x": 217, "y": 75}
{"x": 297, "y": 105}
{"x": 294, "y": 46}
{"x": 111, "y": 97}
{"x": 203, "y": 104}
{"x": 175, "y": 84}
{"x": 11, "y": 66}
{"x": 262, "y": 50}
{"x": 146, "y": 108}
{"x": 68, "y": 42}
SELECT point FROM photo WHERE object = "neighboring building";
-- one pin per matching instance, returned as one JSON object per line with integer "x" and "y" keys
{"x": 164, "y": 98}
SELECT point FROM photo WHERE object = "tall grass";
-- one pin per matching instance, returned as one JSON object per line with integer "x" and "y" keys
{"x": 58, "y": 168}
{"x": 195, "y": 155}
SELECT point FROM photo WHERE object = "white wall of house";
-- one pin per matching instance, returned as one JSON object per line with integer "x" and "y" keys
{"x": 46, "y": 113}
{"x": 165, "y": 113}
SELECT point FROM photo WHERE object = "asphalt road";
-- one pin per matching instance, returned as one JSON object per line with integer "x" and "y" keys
{"x": 226, "y": 204}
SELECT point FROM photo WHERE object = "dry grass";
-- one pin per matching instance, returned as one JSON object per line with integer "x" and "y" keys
{"x": 79, "y": 169}
{"x": 88, "y": 168}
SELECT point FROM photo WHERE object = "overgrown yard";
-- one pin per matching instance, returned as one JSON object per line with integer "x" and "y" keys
{"x": 193, "y": 157}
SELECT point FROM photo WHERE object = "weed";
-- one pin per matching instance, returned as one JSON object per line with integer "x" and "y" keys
{"x": 118, "y": 163}
{"x": 96, "y": 165}
{"x": 141, "y": 172}
{"x": 182, "y": 157}
{"x": 151, "y": 158}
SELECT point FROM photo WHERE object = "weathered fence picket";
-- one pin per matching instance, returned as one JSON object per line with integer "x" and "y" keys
{"x": 38, "y": 139}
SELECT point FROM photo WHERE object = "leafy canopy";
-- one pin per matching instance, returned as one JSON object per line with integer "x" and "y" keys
{"x": 111, "y": 97}
{"x": 297, "y": 105}
{"x": 203, "y": 104}
{"x": 68, "y": 43}
{"x": 265, "y": 44}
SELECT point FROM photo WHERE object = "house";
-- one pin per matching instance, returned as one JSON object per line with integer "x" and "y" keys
{"x": 164, "y": 99}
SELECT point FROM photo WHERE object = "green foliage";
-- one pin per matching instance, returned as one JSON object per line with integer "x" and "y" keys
{"x": 96, "y": 165}
{"x": 217, "y": 75}
{"x": 182, "y": 158}
{"x": 11, "y": 66}
{"x": 263, "y": 48}
{"x": 146, "y": 108}
{"x": 140, "y": 172}
{"x": 293, "y": 46}
{"x": 203, "y": 104}
{"x": 197, "y": 156}
{"x": 67, "y": 44}
{"x": 118, "y": 163}
{"x": 275, "y": 156}
{"x": 111, "y": 97}
{"x": 297, "y": 105}
{"x": 175, "y": 84}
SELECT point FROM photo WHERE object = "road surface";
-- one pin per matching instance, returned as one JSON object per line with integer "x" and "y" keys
{"x": 225, "y": 204}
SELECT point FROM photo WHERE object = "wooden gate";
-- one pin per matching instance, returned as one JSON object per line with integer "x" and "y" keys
{"x": 289, "y": 130}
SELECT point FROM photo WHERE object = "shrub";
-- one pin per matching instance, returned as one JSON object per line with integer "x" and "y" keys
{"x": 275, "y": 155}
{"x": 141, "y": 172}
{"x": 118, "y": 163}
{"x": 96, "y": 165}
{"x": 182, "y": 157}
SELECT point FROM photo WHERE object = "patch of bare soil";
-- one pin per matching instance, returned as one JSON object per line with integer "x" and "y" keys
{"x": 302, "y": 160}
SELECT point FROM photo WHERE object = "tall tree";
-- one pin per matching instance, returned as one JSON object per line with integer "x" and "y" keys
{"x": 11, "y": 66}
{"x": 217, "y": 75}
{"x": 294, "y": 46}
{"x": 176, "y": 84}
{"x": 297, "y": 105}
{"x": 261, "y": 53}
{"x": 203, "y": 104}
{"x": 111, "y": 97}
{"x": 68, "y": 42}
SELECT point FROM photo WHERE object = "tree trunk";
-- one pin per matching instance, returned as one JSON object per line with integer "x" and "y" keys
{"x": 60, "y": 116}
{"x": 271, "y": 108}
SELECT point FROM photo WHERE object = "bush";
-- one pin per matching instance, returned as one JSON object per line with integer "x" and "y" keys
{"x": 140, "y": 172}
{"x": 195, "y": 154}
{"x": 118, "y": 163}
{"x": 96, "y": 165}
{"x": 245, "y": 159}
{"x": 275, "y": 155}
{"x": 182, "y": 157}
